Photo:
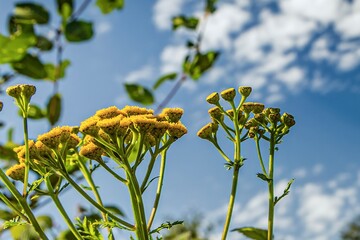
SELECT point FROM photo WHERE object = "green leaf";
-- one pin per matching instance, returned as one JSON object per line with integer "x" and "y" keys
{"x": 78, "y": 31}
{"x": 31, "y": 13}
{"x": 163, "y": 79}
{"x": 30, "y": 66}
{"x": 35, "y": 112}
{"x": 263, "y": 177}
{"x": 14, "y": 48}
{"x": 66, "y": 235}
{"x": 58, "y": 72}
{"x": 107, "y": 6}
{"x": 6, "y": 215}
{"x": 286, "y": 191}
{"x": 45, "y": 222}
{"x": 210, "y": 6}
{"x": 115, "y": 209}
{"x": 139, "y": 94}
{"x": 7, "y": 153}
{"x": 43, "y": 43}
{"x": 54, "y": 109}
{"x": 199, "y": 64}
{"x": 15, "y": 28}
{"x": 183, "y": 21}
{"x": 65, "y": 8}
{"x": 252, "y": 233}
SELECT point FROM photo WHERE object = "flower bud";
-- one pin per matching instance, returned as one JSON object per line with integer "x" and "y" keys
{"x": 228, "y": 94}
{"x": 177, "y": 130}
{"x": 251, "y": 123}
{"x": 274, "y": 117}
{"x": 245, "y": 91}
{"x": 253, "y": 131}
{"x": 288, "y": 120}
{"x": 91, "y": 151}
{"x": 16, "y": 172}
{"x": 274, "y": 110}
{"x": 260, "y": 117}
{"x": 213, "y": 98}
{"x": 247, "y": 107}
{"x": 258, "y": 108}
{"x": 109, "y": 112}
{"x": 19, "y": 90}
{"x": 206, "y": 131}
{"x": 172, "y": 114}
{"x": 216, "y": 114}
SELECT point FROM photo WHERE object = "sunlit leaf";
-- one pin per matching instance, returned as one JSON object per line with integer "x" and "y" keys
{"x": 58, "y": 72}
{"x": 183, "y": 21}
{"x": 54, "y": 109}
{"x": 65, "y": 8}
{"x": 199, "y": 64}
{"x": 30, "y": 66}
{"x": 161, "y": 80}
{"x": 31, "y": 13}
{"x": 14, "y": 48}
{"x": 77, "y": 31}
{"x": 107, "y": 6}
{"x": 252, "y": 233}
{"x": 139, "y": 94}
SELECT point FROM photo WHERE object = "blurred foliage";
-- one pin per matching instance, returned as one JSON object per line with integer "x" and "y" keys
{"x": 352, "y": 230}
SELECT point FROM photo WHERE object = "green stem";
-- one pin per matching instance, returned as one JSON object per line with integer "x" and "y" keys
{"x": 95, "y": 204}
{"x": 158, "y": 191}
{"x": 12, "y": 206}
{"x": 260, "y": 156}
{"x": 90, "y": 180}
{"x": 23, "y": 204}
{"x": 148, "y": 172}
{"x": 220, "y": 151}
{"x": 231, "y": 200}
{"x": 27, "y": 156}
{"x": 61, "y": 209}
{"x": 137, "y": 204}
{"x": 271, "y": 187}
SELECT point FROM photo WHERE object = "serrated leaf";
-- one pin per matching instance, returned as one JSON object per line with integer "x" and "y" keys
{"x": 252, "y": 233}
{"x": 139, "y": 94}
{"x": 161, "y": 80}
{"x": 54, "y": 109}
{"x": 263, "y": 177}
{"x": 14, "y": 48}
{"x": 286, "y": 191}
{"x": 30, "y": 66}
{"x": 107, "y": 6}
{"x": 43, "y": 43}
{"x": 78, "y": 31}
{"x": 183, "y": 21}
{"x": 58, "y": 72}
{"x": 199, "y": 64}
{"x": 31, "y": 13}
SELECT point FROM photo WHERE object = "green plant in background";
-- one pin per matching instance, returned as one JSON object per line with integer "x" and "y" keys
{"x": 238, "y": 127}
{"x": 130, "y": 137}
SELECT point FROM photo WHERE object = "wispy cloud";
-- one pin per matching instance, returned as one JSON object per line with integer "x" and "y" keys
{"x": 164, "y": 10}
{"x": 103, "y": 27}
{"x": 142, "y": 74}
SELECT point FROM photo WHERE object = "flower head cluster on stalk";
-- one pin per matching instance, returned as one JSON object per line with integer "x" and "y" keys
{"x": 110, "y": 132}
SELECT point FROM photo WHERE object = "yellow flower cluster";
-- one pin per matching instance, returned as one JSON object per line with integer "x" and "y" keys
{"x": 112, "y": 124}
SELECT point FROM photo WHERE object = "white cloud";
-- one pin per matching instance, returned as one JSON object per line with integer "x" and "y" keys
{"x": 300, "y": 173}
{"x": 349, "y": 25}
{"x": 349, "y": 60}
{"x": 164, "y": 10}
{"x": 317, "y": 169}
{"x": 292, "y": 77}
{"x": 103, "y": 27}
{"x": 214, "y": 75}
{"x": 226, "y": 20}
{"x": 143, "y": 74}
{"x": 172, "y": 58}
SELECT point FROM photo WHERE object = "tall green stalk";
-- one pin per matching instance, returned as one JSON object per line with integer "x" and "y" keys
{"x": 271, "y": 188}
{"x": 27, "y": 155}
{"x": 21, "y": 200}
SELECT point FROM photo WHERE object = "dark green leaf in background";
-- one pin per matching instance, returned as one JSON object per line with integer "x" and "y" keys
{"x": 55, "y": 73}
{"x": 30, "y": 66}
{"x": 43, "y": 43}
{"x": 139, "y": 94}
{"x": 252, "y": 233}
{"x": 78, "y": 31}
{"x": 199, "y": 64}
{"x": 163, "y": 79}
{"x": 115, "y": 209}
{"x": 54, "y": 109}
{"x": 107, "y": 6}
{"x": 210, "y": 6}
{"x": 17, "y": 29}
{"x": 65, "y": 8}
{"x": 183, "y": 21}
{"x": 14, "y": 48}
{"x": 31, "y": 13}
{"x": 35, "y": 112}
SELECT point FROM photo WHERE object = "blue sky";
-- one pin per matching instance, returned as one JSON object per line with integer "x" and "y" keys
{"x": 300, "y": 55}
